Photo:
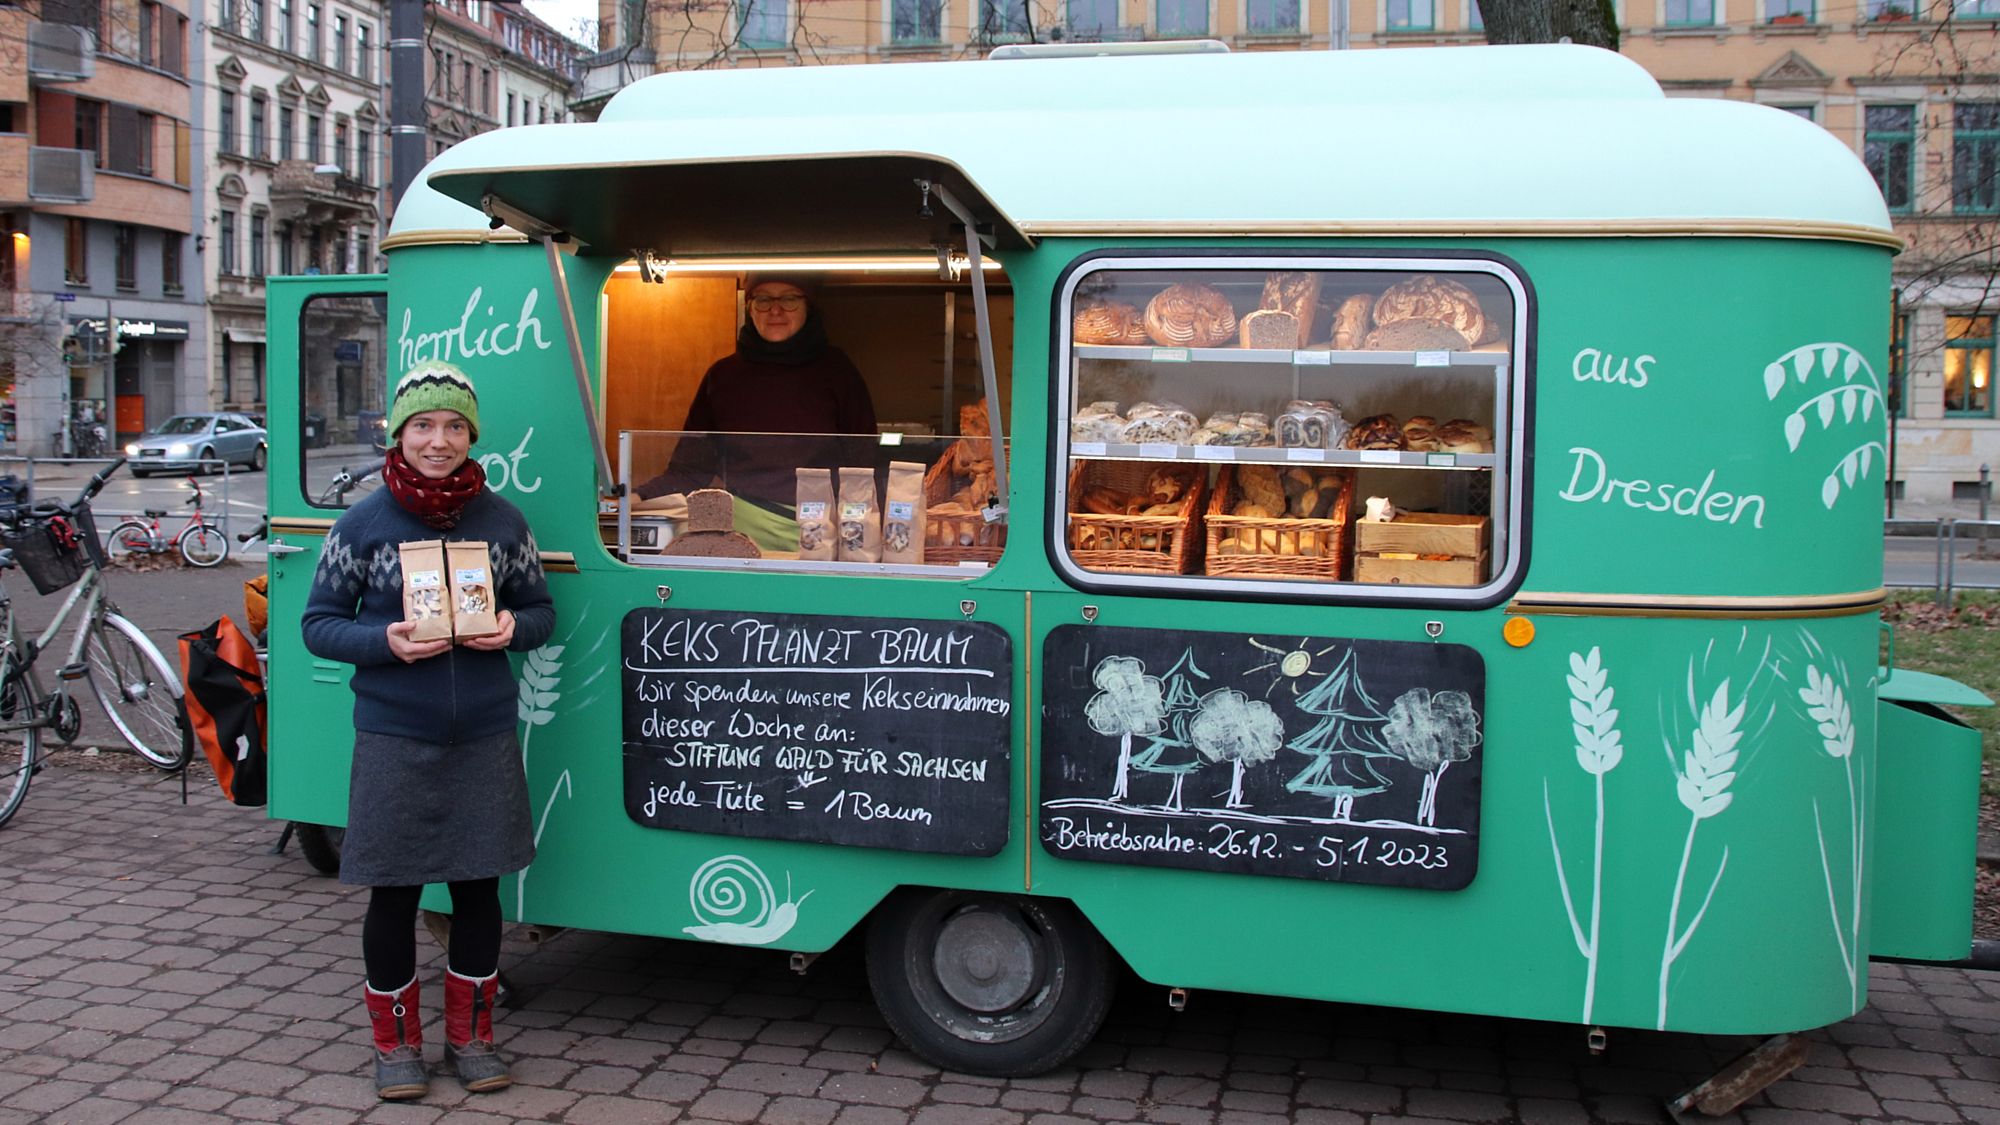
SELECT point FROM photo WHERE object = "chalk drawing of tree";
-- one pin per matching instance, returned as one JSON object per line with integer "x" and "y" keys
{"x": 1826, "y": 702}
{"x": 1594, "y": 722}
{"x": 1128, "y": 702}
{"x": 1839, "y": 365}
{"x": 1231, "y": 727}
{"x": 1345, "y": 743}
{"x": 1171, "y": 750}
{"x": 1431, "y": 732}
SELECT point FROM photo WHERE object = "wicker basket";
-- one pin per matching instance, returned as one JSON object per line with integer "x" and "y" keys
{"x": 1261, "y": 547}
{"x": 1119, "y": 544}
{"x": 952, "y": 537}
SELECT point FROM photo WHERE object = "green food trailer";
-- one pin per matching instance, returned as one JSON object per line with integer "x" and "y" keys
{"x": 1391, "y": 527}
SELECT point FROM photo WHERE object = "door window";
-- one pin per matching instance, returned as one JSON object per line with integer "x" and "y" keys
{"x": 343, "y": 397}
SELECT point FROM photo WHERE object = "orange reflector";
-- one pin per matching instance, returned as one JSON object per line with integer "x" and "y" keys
{"x": 1518, "y": 631}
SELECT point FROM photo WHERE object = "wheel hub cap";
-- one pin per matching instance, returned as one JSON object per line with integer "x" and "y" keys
{"x": 985, "y": 961}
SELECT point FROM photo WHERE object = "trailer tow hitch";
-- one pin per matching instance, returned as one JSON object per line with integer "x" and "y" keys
{"x": 1744, "y": 1078}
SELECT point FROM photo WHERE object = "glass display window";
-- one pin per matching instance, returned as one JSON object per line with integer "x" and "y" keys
{"x": 1313, "y": 427}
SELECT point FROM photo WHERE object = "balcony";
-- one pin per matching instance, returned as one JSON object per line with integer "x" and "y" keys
{"x": 60, "y": 52}
{"x": 300, "y": 193}
{"x": 62, "y": 175}
{"x": 608, "y": 72}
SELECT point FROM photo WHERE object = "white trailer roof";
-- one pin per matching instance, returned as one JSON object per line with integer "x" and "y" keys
{"x": 1555, "y": 139}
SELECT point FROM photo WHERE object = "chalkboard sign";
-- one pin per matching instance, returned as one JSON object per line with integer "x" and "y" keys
{"x": 1311, "y": 757}
{"x": 875, "y": 732}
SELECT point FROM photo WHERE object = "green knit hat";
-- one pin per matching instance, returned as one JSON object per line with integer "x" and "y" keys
{"x": 433, "y": 385}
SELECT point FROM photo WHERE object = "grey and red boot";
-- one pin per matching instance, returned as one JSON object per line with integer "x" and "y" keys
{"x": 468, "y": 1032}
{"x": 399, "y": 1043}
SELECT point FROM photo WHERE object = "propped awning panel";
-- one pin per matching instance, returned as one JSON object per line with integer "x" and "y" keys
{"x": 764, "y": 205}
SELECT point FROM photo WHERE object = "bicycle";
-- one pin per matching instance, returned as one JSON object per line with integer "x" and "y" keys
{"x": 346, "y": 480}
{"x": 132, "y": 681}
{"x": 201, "y": 543}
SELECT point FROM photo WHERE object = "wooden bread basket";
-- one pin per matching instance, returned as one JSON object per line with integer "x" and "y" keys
{"x": 1278, "y": 547}
{"x": 1135, "y": 544}
{"x": 956, "y": 534}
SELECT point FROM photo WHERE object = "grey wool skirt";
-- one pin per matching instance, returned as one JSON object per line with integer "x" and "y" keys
{"x": 420, "y": 812}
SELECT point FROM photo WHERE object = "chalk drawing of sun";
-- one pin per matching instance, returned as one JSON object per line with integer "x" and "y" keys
{"x": 1291, "y": 664}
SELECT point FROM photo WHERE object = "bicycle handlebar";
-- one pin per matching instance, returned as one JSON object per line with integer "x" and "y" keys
{"x": 96, "y": 483}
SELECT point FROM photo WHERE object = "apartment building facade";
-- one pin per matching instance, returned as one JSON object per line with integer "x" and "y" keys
{"x": 1913, "y": 86}
{"x": 100, "y": 296}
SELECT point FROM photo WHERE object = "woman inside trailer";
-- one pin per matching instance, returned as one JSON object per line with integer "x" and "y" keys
{"x": 783, "y": 400}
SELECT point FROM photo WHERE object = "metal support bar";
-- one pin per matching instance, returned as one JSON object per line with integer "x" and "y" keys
{"x": 995, "y": 429}
{"x": 592, "y": 424}
{"x": 1743, "y": 1079}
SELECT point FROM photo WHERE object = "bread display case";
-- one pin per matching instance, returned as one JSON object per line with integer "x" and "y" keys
{"x": 1305, "y": 397}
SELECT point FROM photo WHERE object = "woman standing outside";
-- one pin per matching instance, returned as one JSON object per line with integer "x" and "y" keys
{"x": 437, "y": 792}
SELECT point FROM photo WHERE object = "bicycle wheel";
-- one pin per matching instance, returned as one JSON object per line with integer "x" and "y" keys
{"x": 138, "y": 690}
{"x": 202, "y": 544}
{"x": 130, "y": 538}
{"x": 20, "y": 768}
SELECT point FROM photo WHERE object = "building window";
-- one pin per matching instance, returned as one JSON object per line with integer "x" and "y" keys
{"x": 286, "y": 128}
{"x": 1092, "y": 19}
{"x": 1273, "y": 17}
{"x": 128, "y": 140}
{"x": 312, "y": 33}
{"x": 313, "y": 147}
{"x": 465, "y": 83}
{"x": 170, "y": 262}
{"x": 1181, "y": 18}
{"x": 76, "y": 252}
{"x": 340, "y": 42}
{"x": 1899, "y": 365}
{"x": 225, "y": 121}
{"x": 254, "y": 10}
{"x": 364, "y": 260}
{"x": 1475, "y": 20}
{"x": 284, "y": 248}
{"x": 1968, "y": 366}
{"x": 1975, "y": 157}
{"x": 125, "y": 237}
{"x": 1810, "y": 113}
{"x": 340, "y": 147}
{"x": 260, "y": 137}
{"x": 1411, "y": 15}
{"x": 916, "y": 21}
{"x": 1788, "y": 11}
{"x": 90, "y": 128}
{"x": 510, "y": 107}
{"x": 764, "y": 23}
{"x": 149, "y": 32}
{"x": 364, "y": 156}
{"x": 257, "y": 257}
{"x": 364, "y": 63}
{"x": 1690, "y": 13}
{"x": 486, "y": 91}
{"x": 1977, "y": 9}
{"x": 287, "y": 42}
{"x": 173, "y": 46}
{"x": 225, "y": 237}
{"x": 1890, "y": 137}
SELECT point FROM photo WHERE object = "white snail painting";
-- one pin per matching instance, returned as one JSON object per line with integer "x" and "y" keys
{"x": 736, "y": 904}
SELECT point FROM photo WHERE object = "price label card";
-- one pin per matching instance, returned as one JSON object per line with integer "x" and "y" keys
{"x": 1158, "y": 450}
{"x": 1087, "y": 448}
{"x": 1433, "y": 359}
{"x": 1305, "y": 455}
{"x": 1215, "y": 453}
{"x": 1170, "y": 355}
{"x": 1381, "y": 456}
{"x": 1441, "y": 460}
{"x": 1312, "y": 359}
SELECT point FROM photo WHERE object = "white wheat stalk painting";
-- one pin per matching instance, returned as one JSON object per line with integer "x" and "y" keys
{"x": 1847, "y": 398}
{"x": 1704, "y": 774}
{"x": 1827, "y": 706}
{"x": 1594, "y": 722}
{"x": 534, "y": 705}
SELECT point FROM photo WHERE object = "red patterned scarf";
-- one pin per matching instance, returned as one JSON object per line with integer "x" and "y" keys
{"x": 438, "y": 503}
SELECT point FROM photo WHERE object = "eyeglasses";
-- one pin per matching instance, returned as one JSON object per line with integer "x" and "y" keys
{"x": 790, "y": 302}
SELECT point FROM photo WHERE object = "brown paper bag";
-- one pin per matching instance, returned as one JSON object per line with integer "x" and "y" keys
{"x": 860, "y": 517}
{"x": 903, "y": 514}
{"x": 426, "y": 599}
{"x": 474, "y": 610}
{"x": 815, "y": 515}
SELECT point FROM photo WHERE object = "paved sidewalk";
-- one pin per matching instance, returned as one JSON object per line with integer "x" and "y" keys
{"x": 158, "y": 965}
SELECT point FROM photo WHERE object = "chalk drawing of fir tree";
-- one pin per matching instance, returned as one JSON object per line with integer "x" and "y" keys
{"x": 1594, "y": 722}
{"x": 1345, "y": 743}
{"x": 1128, "y": 702}
{"x": 1431, "y": 731}
{"x": 1843, "y": 384}
{"x": 1705, "y": 767}
{"x": 1231, "y": 727}
{"x": 1171, "y": 749}
{"x": 1825, "y": 697}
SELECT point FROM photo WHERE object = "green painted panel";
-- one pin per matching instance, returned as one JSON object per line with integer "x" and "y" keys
{"x": 1910, "y": 686}
{"x": 1925, "y": 856}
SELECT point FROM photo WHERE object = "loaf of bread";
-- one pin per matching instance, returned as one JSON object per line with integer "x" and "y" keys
{"x": 1295, "y": 294}
{"x": 1269, "y": 328}
{"x": 1168, "y": 424}
{"x": 1108, "y": 322}
{"x": 1415, "y": 335}
{"x": 1377, "y": 431}
{"x": 1190, "y": 315}
{"x": 1351, "y": 322}
{"x": 1425, "y": 297}
{"x": 1261, "y": 486}
{"x": 1420, "y": 434}
{"x": 1463, "y": 435}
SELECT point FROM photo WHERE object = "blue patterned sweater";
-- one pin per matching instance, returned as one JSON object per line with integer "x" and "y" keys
{"x": 358, "y": 591}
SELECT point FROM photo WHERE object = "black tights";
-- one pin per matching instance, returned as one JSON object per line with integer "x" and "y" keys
{"x": 389, "y": 939}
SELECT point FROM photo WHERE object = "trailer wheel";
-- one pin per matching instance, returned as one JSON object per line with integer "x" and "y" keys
{"x": 1000, "y": 985}
{"x": 320, "y": 844}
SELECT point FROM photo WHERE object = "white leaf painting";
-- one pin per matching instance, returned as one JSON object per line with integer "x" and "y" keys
{"x": 1849, "y": 390}
{"x": 1774, "y": 379}
{"x": 1593, "y": 721}
{"x": 1827, "y": 708}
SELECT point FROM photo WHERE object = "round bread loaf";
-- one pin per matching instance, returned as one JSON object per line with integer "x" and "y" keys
{"x": 1112, "y": 322}
{"x": 1190, "y": 316}
{"x": 1425, "y": 297}
{"x": 1415, "y": 335}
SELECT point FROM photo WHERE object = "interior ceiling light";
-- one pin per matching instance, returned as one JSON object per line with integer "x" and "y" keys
{"x": 804, "y": 265}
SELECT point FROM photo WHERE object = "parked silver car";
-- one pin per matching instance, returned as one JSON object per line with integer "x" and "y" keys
{"x": 181, "y": 443}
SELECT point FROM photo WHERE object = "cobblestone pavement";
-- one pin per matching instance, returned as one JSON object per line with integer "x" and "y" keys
{"x": 158, "y": 965}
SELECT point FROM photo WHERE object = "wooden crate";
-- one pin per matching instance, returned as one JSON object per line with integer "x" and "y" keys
{"x": 1122, "y": 544}
{"x": 1260, "y": 547}
{"x": 952, "y": 537}
{"x": 1425, "y": 533}
{"x": 1420, "y": 572}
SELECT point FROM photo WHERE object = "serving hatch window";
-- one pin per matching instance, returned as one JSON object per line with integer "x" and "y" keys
{"x": 803, "y": 415}
{"x": 1329, "y": 428}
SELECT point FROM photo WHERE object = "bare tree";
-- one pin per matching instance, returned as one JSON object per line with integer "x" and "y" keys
{"x": 1593, "y": 23}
